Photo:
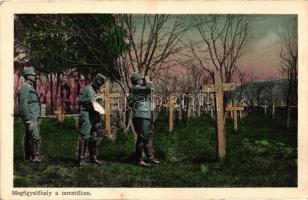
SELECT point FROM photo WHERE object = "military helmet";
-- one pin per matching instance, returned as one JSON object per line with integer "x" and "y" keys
{"x": 100, "y": 79}
{"x": 28, "y": 71}
{"x": 135, "y": 77}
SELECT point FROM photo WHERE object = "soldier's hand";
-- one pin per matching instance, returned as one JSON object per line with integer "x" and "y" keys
{"x": 94, "y": 97}
{"x": 28, "y": 123}
{"x": 147, "y": 79}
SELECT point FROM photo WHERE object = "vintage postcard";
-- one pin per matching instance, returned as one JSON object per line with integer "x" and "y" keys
{"x": 154, "y": 100}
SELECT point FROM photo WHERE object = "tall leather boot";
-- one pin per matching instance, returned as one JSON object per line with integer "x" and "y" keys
{"x": 82, "y": 152}
{"x": 93, "y": 152}
{"x": 149, "y": 152}
{"x": 139, "y": 156}
{"x": 27, "y": 148}
{"x": 36, "y": 151}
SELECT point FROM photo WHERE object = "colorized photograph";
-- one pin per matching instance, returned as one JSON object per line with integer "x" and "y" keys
{"x": 155, "y": 100}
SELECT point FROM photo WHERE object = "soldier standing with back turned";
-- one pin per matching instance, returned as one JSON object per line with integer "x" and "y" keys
{"x": 140, "y": 104}
{"x": 30, "y": 109}
{"x": 90, "y": 121}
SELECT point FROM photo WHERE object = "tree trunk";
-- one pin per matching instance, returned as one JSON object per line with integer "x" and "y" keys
{"x": 57, "y": 88}
{"x": 51, "y": 95}
{"x": 288, "y": 113}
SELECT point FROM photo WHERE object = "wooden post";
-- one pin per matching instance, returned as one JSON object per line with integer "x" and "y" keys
{"x": 230, "y": 108}
{"x": 234, "y": 118}
{"x": 241, "y": 114}
{"x": 265, "y": 110}
{"x": 76, "y": 119}
{"x": 208, "y": 104}
{"x": 212, "y": 112}
{"x": 180, "y": 114}
{"x": 273, "y": 110}
{"x": 188, "y": 111}
{"x": 171, "y": 105}
{"x": 220, "y": 119}
{"x": 199, "y": 108}
{"x": 107, "y": 97}
{"x": 107, "y": 108}
{"x": 43, "y": 109}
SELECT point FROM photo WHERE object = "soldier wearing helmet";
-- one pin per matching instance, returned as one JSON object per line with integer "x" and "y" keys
{"x": 141, "y": 109}
{"x": 90, "y": 121}
{"x": 30, "y": 109}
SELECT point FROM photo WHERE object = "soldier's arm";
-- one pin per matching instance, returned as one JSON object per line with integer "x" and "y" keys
{"x": 142, "y": 89}
{"x": 84, "y": 97}
{"x": 23, "y": 104}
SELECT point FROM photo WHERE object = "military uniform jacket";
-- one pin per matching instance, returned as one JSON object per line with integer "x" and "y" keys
{"x": 84, "y": 98}
{"x": 140, "y": 101}
{"x": 29, "y": 105}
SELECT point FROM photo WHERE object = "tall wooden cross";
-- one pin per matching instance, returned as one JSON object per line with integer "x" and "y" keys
{"x": 219, "y": 88}
{"x": 233, "y": 109}
{"x": 107, "y": 97}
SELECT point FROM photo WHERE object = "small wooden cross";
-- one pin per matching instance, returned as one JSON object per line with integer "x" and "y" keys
{"x": 60, "y": 114}
{"x": 233, "y": 109}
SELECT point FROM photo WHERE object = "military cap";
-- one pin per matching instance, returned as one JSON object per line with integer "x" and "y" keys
{"x": 28, "y": 71}
{"x": 100, "y": 79}
{"x": 135, "y": 76}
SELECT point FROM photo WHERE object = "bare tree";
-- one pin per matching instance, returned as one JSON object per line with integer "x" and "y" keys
{"x": 153, "y": 40}
{"x": 225, "y": 37}
{"x": 289, "y": 56}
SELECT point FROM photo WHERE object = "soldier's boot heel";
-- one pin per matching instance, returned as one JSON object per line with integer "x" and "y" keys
{"x": 36, "y": 152}
{"x": 142, "y": 163}
{"x": 93, "y": 152}
{"x": 154, "y": 160}
{"x": 82, "y": 152}
{"x": 28, "y": 155}
{"x": 139, "y": 154}
{"x": 149, "y": 152}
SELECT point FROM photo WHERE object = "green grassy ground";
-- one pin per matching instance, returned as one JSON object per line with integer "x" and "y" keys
{"x": 262, "y": 153}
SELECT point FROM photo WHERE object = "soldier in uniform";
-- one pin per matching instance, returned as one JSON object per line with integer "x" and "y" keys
{"x": 30, "y": 109}
{"x": 141, "y": 109}
{"x": 90, "y": 121}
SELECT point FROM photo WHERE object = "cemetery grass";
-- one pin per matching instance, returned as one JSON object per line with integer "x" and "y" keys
{"x": 261, "y": 153}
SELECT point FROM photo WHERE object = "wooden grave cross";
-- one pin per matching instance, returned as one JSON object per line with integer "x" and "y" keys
{"x": 60, "y": 114}
{"x": 107, "y": 97}
{"x": 171, "y": 104}
{"x": 219, "y": 88}
{"x": 233, "y": 109}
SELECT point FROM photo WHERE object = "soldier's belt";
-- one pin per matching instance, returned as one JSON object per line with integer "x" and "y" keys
{"x": 31, "y": 102}
{"x": 87, "y": 108}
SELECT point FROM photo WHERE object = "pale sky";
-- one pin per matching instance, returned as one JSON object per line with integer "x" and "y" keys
{"x": 261, "y": 55}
